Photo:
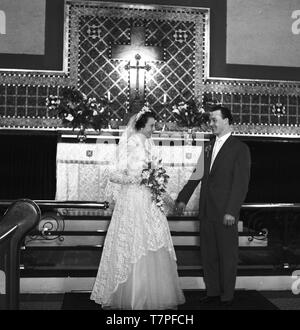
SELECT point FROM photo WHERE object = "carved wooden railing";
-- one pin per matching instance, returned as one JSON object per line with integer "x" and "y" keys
{"x": 18, "y": 220}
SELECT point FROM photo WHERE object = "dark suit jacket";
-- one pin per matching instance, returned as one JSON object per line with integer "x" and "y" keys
{"x": 224, "y": 188}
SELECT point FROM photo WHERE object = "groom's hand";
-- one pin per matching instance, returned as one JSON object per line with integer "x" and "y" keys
{"x": 179, "y": 208}
{"x": 228, "y": 220}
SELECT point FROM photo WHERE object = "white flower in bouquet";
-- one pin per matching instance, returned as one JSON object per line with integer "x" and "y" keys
{"x": 146, "y": 175}
{"x": 161, "y": 180}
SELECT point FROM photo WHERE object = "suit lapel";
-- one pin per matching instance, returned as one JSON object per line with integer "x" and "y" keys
{"x": 220, "y": 154}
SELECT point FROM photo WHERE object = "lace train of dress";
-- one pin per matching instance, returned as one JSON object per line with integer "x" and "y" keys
{"x": 151, "y": 284}
{"x": 138, "y": 268}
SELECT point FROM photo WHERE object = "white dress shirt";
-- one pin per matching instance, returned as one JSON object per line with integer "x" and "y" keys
{"x": 217, "y": 146}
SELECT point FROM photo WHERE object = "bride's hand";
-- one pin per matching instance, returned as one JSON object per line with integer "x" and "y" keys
{"x": 179, "y": 208}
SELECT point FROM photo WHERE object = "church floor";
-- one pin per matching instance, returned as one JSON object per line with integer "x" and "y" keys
{"x": 282, "y": 300}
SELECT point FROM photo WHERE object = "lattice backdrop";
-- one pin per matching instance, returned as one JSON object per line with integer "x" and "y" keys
{"x": 99, "y": 73}
{"x": 175, "y": 77}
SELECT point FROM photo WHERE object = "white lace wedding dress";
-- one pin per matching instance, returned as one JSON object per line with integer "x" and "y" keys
{"x": 138, "y": 268}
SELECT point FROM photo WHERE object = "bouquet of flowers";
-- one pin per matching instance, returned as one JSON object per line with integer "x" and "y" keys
{"x": 156, "y": 180}
{"x": 188, "y": 114}
{"x": 76, "y": 110}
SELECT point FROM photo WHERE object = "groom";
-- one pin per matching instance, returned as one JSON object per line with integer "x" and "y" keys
{"x": 223, "y": 190}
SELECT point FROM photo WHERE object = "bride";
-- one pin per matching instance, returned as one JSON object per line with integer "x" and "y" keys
{"x": 138, "y": 269}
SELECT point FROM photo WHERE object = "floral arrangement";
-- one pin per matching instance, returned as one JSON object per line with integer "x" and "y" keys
{"x": 76, "y": 110}
{"x": 188, "y": 114}
{"x": 156, "y": 180}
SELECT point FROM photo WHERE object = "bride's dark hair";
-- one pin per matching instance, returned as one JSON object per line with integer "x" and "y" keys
{"x": 142, "y": 121}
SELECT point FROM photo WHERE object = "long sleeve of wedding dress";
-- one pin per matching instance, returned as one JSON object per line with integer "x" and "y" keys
{"x": 127, "y": 169}
{"x": 130, "y": 164}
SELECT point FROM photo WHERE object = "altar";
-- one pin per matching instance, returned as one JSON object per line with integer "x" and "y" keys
{"x": 83, "y": 168}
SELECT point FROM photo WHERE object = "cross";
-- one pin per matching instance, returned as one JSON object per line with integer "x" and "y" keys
{"x": 138, "y": 67}
{"x": 138, "y": 52}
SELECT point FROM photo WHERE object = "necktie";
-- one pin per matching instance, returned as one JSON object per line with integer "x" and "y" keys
{"x": 214, "y": 153}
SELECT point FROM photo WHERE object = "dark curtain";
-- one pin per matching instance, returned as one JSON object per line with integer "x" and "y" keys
{"x": 28, "y": 166}
{"x": 275, "y": 171}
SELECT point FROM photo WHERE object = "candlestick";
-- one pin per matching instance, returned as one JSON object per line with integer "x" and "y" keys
{"x": 165, "y": 98}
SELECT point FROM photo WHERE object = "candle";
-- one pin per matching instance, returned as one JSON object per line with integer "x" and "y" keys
{"x": 108, "y": 95}
{"x": 165, "y": 98}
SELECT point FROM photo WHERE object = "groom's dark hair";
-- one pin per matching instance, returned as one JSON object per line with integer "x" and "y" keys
{"x": 226, "y": 113}
{"x": 142, "y": 121}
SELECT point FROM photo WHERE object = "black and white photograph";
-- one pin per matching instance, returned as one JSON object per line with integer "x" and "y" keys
{"x": 150, "y": 158}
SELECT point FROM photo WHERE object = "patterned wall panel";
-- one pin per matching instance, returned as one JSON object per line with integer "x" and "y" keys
{"x": 261, "y": 108}
{"x": 262, "y": 114}
{"x": 93, "y": 28}
{"x": 23, "y": 106}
